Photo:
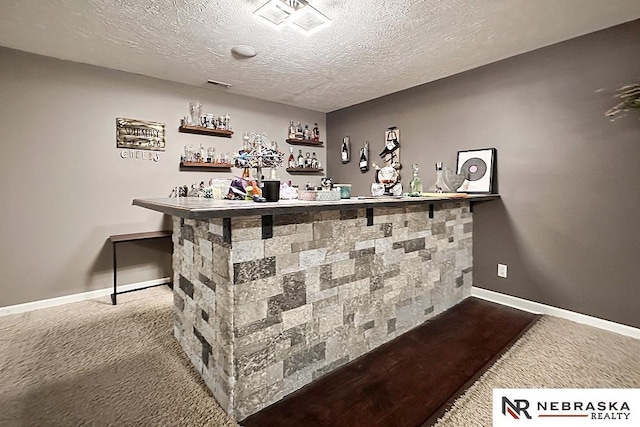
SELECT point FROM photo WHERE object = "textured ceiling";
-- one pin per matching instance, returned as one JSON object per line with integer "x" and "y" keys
{"x": 372, "y": 48}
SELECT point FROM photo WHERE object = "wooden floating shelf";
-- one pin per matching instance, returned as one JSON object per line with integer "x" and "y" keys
{"x": 305, "y": 142}
{"x": 201, "y": 130}
{"x": 207, "y": 166}
{"x": 304, "y": 170}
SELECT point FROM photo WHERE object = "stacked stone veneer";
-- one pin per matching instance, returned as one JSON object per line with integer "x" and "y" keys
{"x": 260, "y": 318}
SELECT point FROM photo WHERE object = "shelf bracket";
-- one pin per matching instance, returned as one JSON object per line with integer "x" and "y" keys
{"x": 369, "y": 217}
{"x": 431, "y": 210}
{"x": 226, "y": 230}
{"x": 267, "y": 226}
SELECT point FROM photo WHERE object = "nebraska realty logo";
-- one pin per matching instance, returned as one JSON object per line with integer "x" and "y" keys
{"x": 566, "y": 407}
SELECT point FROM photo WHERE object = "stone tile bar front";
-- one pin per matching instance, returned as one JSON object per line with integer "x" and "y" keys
{"x": 268, "y": 300}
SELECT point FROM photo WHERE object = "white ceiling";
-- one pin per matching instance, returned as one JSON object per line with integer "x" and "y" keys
{"x": 372, "y": 48}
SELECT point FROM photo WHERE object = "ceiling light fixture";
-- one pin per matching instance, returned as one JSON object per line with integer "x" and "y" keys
{"x": 244, "y": 51}
{"x": 297, "y": 13}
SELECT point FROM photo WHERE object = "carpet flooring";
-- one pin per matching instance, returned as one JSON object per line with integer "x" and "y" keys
{"x": 90, "y": 363}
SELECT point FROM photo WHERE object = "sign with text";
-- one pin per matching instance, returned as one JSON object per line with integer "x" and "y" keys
{"x": 139, "y": 134}
{"x": 589, "y": 407}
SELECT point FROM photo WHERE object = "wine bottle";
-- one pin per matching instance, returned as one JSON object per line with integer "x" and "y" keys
{"x": 314, "y": 161}
{"x": 364, "y": 157}
{"x": 306, "y": 134}
{"x": 300, "y": 159}
{"x": 307, "y": 160}
{"x": 292, "y": 160}
{"x": 316, "y": 132}
{"x": 292, "y": 130}
{"x": 345, "y": 150}
{"x": 391, "y": 143}
{"x": 299, "y": 133}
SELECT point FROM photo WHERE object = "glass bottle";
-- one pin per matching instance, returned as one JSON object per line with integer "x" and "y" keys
{"x": 292, "y": 160}
{"x": 306, "y": 134}
{"x": 292, "y": 130}
{"x": 439, "y": 186}
{"x": 415, "y": 185}
{"x": 314, "y": 161}
{"x": 364, "y": 157}
{"x": 307, "y": 160}
{"x": 245, "y": 142}
{"x": 300, "y": 159}
{"x": 316, "y": 132}
{"x": 344, "y": 151}
{"x": 299, "y": 133}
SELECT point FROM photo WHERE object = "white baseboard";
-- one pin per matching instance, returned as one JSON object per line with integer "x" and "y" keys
{"x": 52, "y": 302}
{"x": 536, "y": 307}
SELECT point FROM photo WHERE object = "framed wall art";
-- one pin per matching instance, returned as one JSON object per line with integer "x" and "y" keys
{"x": 477, "y": 166}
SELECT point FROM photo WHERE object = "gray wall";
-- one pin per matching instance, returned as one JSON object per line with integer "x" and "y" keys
{"x": 566, "y": 224}
{"x": 65, "y": 188}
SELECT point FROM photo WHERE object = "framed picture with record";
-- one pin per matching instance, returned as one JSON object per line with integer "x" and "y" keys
{"x": 477, "y": 167}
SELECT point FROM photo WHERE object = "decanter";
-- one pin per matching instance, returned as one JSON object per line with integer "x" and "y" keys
{"x": 415, "y": 185}
{"x": 440, "y": 186}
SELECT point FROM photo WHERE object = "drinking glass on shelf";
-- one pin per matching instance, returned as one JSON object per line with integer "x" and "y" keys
{"x": 188, "y": 152}
{"x": 195, "y": 110}
{"x": 245, "y": 141}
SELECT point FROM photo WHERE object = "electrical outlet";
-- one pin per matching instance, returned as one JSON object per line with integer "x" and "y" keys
{"x": 502, "y": 270}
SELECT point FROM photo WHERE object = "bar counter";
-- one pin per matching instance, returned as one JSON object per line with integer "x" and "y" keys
{"x": 201, "y": 208}
{"x": 270, "y": 296}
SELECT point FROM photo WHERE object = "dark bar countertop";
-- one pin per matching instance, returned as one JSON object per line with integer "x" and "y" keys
{"x": 202, "y": 208}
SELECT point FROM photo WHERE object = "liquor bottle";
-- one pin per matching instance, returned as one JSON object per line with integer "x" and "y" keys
{"x": 299, "y": 132}
{"x": 306, "y": 134}
{"x": 314, "y": 161}
{"x": 307, "y": 160}
{"x": 440, "y": 186}
{"x": 316, "y": 132}
{"x": 292, "y": 160}
{"x": 415, "y": 185}
{"x": 300, "y": 159}
{"x": 364, "y": 157}
{"x": 345, "y": 150}
{"x": 391, "y": 143}
{"x": 292, "y": 130}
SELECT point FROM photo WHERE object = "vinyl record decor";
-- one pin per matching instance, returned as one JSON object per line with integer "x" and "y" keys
{"x": 477, "y": 166}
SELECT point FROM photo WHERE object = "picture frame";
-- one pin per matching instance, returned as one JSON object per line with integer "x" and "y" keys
{"x": 478, "y": 167}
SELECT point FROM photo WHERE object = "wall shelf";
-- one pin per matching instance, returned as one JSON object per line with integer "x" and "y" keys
{"x": 305, "y": 142}
{"x": 201, "y": 130}
{"x": 304, "y": 170}
{"x": 212, "y": 167}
